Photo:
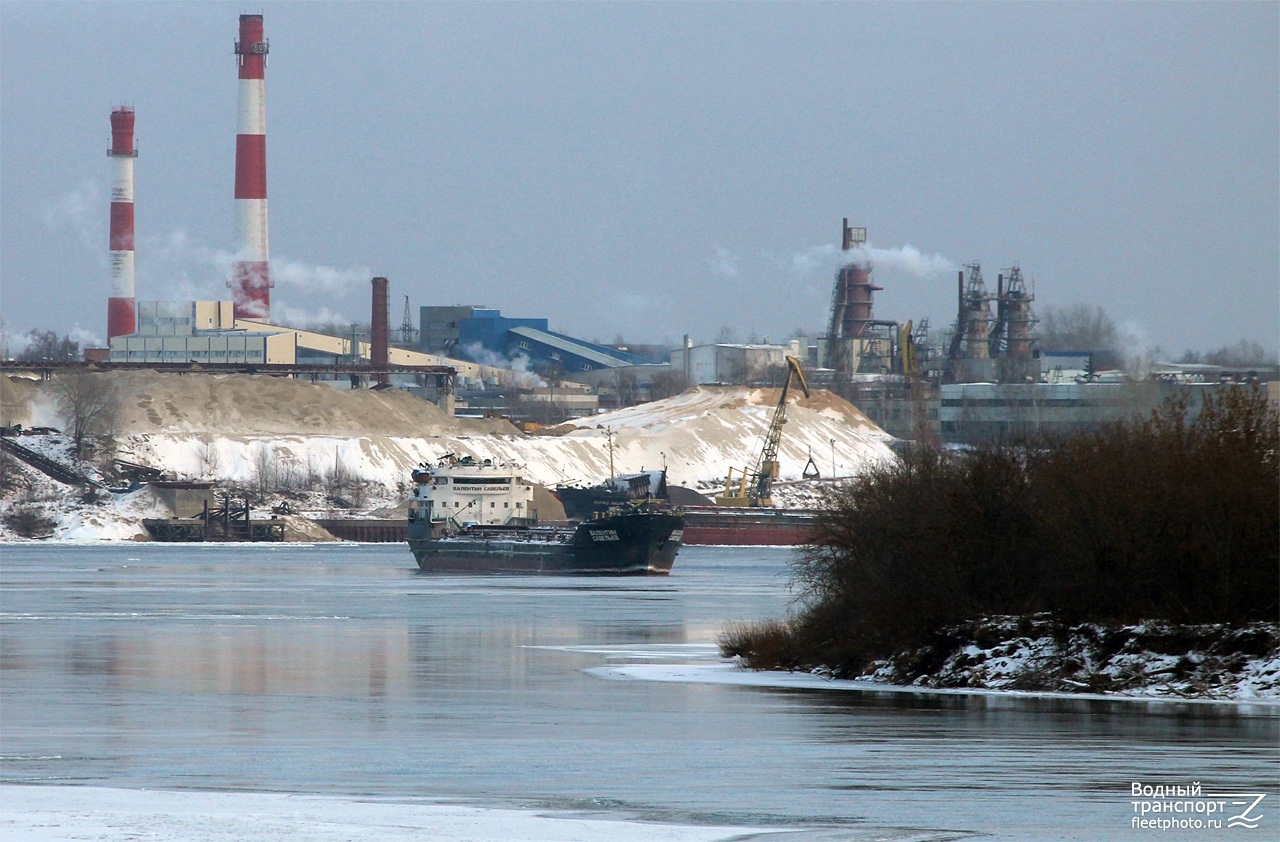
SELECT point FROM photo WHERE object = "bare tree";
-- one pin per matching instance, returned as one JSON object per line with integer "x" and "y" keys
{"x": 210, "y": 459}
{"x": 1081, "y": 327}
{"x": 88, "y": 404}
{"x": 1244, "y": 353}
{"x": 265, "y": 473}
{"x": 47, "y": 345}
{"x": 667, "y": 384}
{"x": 727, "y": 336}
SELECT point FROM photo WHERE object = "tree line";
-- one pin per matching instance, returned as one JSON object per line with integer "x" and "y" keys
{"x": 1165, "y": 517}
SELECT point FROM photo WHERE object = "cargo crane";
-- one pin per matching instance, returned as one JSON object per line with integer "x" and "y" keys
{"x": 755, "y": 487}
{"x": 910, "y": 344}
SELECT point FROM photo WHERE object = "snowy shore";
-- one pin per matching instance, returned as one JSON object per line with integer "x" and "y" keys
{"x": 702, "y": 664}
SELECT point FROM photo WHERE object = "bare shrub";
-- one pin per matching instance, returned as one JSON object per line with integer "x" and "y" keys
{"x": 763, "y": 645}
{"x": 12, "y": 477}
{"x": 342, "y": 487}
{"x": 29, "y": 521}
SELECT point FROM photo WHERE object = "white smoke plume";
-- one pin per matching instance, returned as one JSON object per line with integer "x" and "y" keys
{"x": 810, "y": 261}
{"x": 86, "y": 337}
{"x": 13, "y": 342}
{"x": 84, "y": 212}
{"x": 522, "y": 375}
{"x": 179, "y": 267}
{"x": 724, "y": 264}
{"x": 907, "y": 260}
{"x": 324, "y": 278}
{"x": 301, "y": 318}
{"x": 1139, "y": 355}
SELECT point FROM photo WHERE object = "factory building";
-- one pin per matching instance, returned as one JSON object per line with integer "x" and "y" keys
{"x": 199, "y": 332}
{"x": 485, "y": 335}
{"x": 731, "y": 363}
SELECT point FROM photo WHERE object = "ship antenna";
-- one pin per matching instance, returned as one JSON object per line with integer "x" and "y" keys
{"x": 609, "y": 434}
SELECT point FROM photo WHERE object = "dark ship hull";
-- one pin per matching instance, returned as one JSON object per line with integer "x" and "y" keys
{"x": 750, "y": 527}
{"x": 626, "y": 544}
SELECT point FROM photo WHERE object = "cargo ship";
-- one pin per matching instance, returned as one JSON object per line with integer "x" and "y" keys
{"x": 471, "y": 516}
{"x": 704, "y": 522}
{"x": 581, "y": 502}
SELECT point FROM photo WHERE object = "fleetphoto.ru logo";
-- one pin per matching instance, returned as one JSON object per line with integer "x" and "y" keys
{"x": 1187, "y": 807}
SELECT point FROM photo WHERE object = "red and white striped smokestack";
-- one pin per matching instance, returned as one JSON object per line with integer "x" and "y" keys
{"x": 251, "y": 285}
{"x": 120, "y": 310}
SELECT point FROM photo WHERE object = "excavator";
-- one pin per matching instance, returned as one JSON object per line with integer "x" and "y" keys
{"x": 754, "y": 487}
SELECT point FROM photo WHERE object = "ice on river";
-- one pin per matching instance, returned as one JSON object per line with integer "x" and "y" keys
{"x": 63, "y": 813}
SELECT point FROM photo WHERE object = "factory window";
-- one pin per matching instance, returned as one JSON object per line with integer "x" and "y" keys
{"x": 555, "y": 355}
{"x": 523, "y": 344}
{"x": 586, "y": 367}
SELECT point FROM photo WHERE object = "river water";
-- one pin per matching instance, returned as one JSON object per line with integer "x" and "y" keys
{"x": 341, "y": 669}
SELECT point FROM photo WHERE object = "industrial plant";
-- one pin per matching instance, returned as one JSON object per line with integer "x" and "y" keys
{"x": 982, "y": 377}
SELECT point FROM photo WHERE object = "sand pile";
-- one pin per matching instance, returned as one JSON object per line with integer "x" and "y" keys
{"x": 700, "y": 434}
{"x": 724, "y": 402}
{"x": 18, "y": 397}
{"x": 241, "y": 404}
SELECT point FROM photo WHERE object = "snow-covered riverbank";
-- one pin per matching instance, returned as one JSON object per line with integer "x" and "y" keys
{"x": 299, "y": 442}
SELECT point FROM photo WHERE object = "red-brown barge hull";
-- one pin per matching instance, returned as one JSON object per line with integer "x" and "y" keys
{"x": 726, "y": 526}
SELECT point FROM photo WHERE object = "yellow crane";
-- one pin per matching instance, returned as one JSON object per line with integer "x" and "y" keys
{"x": 922, "y": 429}
{"x": 754, "y": 487}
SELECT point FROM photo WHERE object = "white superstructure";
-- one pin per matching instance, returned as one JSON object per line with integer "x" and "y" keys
{"x": 461, "y": 491}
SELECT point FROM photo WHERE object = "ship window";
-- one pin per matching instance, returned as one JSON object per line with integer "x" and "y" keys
{"x": 506, "y": 505}
{"x": 493, "y": 505}
{"x": 519, "y": 505}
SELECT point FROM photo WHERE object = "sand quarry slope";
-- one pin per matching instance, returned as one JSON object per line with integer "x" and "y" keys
{"x": 226, "y": 427}
{"x": 248, "y": 405}
{"x": 700, "y": 434}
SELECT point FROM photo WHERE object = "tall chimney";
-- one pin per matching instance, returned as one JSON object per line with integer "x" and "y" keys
{"x": 121, "y": 316}
{"x": 251, "y": 284}
{"x": 379, "y": 329}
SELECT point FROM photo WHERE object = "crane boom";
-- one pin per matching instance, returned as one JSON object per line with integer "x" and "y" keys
{"x": 756, "y": 486}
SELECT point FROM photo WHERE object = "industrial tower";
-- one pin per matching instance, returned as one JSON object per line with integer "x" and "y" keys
{"x": 986, "y": 349}
{"x": 251, "y": 284}
{"x": 121, "y": 315}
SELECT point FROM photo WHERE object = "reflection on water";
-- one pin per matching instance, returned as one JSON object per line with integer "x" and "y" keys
{"x": 343, "y": 669}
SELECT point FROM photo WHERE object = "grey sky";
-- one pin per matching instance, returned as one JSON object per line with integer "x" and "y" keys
{"x": 652, "y": 169}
